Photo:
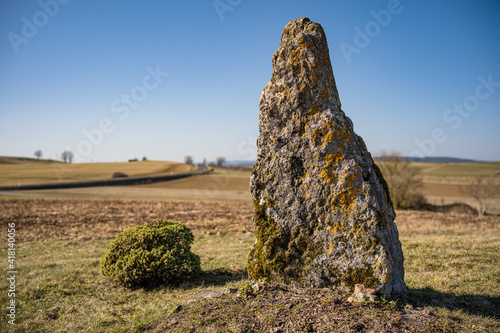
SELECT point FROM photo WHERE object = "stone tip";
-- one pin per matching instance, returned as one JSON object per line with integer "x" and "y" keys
{"x": 298, "y": 26}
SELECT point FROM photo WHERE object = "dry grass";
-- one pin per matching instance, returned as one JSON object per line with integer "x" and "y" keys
{"x": 14, "y": 172}
{"x": 134, "y": 193}
{"x": 452, "y": 265}
{"x": 60, "y": 288}
{"x": 454, "y": 171}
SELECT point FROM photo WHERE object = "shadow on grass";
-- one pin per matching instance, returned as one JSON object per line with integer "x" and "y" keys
{"x": 215, "y": 277}
{"x": 480, "y": 305}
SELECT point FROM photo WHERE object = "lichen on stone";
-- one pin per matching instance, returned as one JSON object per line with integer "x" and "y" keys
{"x": 323, "y": 214}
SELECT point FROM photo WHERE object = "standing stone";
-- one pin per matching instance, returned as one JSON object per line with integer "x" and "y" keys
{"x": 323, "y": 214}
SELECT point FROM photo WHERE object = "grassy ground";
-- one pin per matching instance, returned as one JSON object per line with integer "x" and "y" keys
{"x": 453, "y": 172}
{"x": 452, "y": 265}
{"x": 14, "y": 171}
{"x": 60, "y": 287}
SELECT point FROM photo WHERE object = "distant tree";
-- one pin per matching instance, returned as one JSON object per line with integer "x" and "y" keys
{"x": 481, "y": 190}
{"x": 220, "y": 161}
{"x": 64, "y": 156}
{"x": 144, "y": 158}
{"x": 188, "y": 160}
{"x": 402, "y": 180}
{"x": 67, "y": 156}
{"x": 38, "y": 154}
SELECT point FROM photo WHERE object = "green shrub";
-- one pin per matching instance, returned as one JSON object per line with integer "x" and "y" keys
{"x": 151, "y": 254}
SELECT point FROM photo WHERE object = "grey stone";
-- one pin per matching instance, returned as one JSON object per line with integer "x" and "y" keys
{"x": 323, "y": 214}
{"x": 363, "y": 294}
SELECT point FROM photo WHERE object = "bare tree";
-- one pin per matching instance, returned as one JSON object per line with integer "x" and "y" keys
{"x": 402, "y": 180}
{"x": 220, "y": 161}
{"x": 64, "y": 156}
{"x": 188, "y": 160}
{"x": 38, "y": 154}
{"x": 67, "y": 156}
{"x": 481, "y": 190}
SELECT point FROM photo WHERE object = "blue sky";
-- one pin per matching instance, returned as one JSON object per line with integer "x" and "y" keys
{"x": 113, "y": 80}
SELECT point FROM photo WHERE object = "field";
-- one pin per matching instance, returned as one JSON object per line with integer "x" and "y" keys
{"x": 441, "y": 185}
{"x": 452, "y": 268}
{"x": 14, "y": 171}
{"x": 452, "y": 261}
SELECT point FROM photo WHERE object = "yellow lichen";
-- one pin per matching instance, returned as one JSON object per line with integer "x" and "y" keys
{"x": 304, "y": 44}
{"x": 325, "y": 93}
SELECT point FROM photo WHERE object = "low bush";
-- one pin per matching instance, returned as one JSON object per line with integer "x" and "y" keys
{"x": 119, "y": 174}
{"x": 151, "y": 255}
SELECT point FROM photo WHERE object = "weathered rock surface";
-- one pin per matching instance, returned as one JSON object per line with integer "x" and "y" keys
{"x": 323, "y": 214}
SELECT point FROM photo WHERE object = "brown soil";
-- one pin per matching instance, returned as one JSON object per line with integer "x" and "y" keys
{"x": 44, "y": 219}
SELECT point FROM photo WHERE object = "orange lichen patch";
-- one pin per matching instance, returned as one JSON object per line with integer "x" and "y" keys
{"x": 294, "y": 58}
{"x": 299, "y": 53}
{"x": 333, "y": 159}
{"x": 325, "y": 93}
{"x": 283, "y": 94}
{"x": 314, "y": 109}
{"x": 304, "y": 121}
{"x": 344, "y": 198}
{"x": 328, "y": 130}
{"x": 326, "y": 58}
{"x": 304, "y": 44}
{"x": 328, "y": 137}
{"x": 314, "y": 77}
{"x": 323, "y": 174}
{"x": 329, "y": 162}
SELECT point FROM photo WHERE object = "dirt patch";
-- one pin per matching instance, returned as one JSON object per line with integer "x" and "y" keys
{"x": 280, "y": 310}
{"x": 45, "y": 219}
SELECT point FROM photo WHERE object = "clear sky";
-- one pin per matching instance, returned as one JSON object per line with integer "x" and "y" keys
{"x": 113, "y": 80}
